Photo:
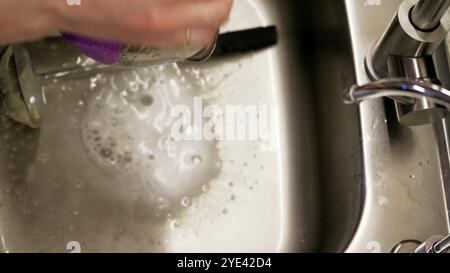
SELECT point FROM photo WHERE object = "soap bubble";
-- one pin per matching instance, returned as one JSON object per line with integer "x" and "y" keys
{"x": 186, "y": 201}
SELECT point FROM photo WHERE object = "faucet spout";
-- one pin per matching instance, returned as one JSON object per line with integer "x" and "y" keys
{"x": 396, "y": 88}
{"x": 410, "y": 96}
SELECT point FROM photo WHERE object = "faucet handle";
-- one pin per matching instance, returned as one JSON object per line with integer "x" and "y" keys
{"x": 434, "y": 245}
{"x": 418, "y": 102}
{"x": 442, "y": 246}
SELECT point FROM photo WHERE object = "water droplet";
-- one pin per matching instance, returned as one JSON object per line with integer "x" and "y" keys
{"x": 196, "y": 160}
{"x": 412, "y": 176}
{"x": 186, "y": 201}
{"x": 163, "y": 203}
{"x": 205, "y": 188}
{"x": 383, "y": 201}
{"x": 106, "y": 153}
{"x": 174, "y": 224}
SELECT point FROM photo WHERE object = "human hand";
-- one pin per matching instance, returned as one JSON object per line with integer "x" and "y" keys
{"x": 161, "y": 23}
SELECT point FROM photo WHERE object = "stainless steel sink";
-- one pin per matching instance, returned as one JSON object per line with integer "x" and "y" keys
{"x": 58, "y": 193}
{"x": 103, "y": 175}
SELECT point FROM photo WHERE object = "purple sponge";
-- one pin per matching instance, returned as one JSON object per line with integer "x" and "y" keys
{"x": 104, "y": 52}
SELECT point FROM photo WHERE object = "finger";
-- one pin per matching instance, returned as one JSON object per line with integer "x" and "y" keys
{"x": 172, "y": 15}
{"x": 137, "y": 25}
{"x": 195, "y": 37}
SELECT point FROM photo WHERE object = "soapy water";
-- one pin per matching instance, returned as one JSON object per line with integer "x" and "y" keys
{"x": 126, "y": 130}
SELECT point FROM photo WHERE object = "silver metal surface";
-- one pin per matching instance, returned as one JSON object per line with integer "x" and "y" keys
{"x": 406, "y": 246}
{"x": 434, "y": 245}
{"x": 53, "y": 195}
{"x": 426, "y": 15}
{"x": 427, "y": 246}
{"x": 405, "y": 169}
{"x": 398, "y": 88}
{"x": 146, "y": 56}
{"x": 402, "y": 38}
{"x": 418, "y": 111}
{"x": 442, "y": 246}
{"x": 417, "y": 102}
{"x": 405, "y": 51}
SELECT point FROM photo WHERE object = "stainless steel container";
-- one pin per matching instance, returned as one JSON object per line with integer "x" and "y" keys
{"x": 111, "y": 53}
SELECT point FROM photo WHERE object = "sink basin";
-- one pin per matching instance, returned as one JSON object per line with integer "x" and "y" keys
{"x": 103, "y": 175}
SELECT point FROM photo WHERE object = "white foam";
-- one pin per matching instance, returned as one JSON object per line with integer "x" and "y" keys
{"x": 127, "y": 132}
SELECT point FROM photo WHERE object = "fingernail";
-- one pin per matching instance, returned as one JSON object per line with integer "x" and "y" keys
{"x": 200, "y": 37}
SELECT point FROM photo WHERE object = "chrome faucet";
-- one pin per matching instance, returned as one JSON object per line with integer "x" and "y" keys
{"x": 402, "y": 63}
{"x": 434, "y": 245}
